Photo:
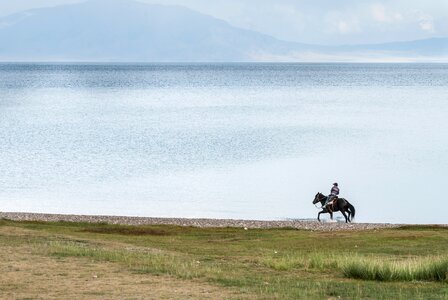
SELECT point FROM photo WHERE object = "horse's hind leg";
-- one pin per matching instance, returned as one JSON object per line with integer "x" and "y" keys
{"x": 349, "y": 214}
{"x": 345, "y": 216}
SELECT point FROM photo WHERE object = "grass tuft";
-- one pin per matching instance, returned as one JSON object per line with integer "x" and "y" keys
{"x": 317, "y": 261}
{"x": 429, "y": 269}
{"x": 284, "y": 263}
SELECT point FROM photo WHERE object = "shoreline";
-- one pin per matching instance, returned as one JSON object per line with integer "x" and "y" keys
{"x": 197, "y": 222}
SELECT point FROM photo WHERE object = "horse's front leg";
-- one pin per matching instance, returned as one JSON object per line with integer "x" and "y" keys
{"x": 318, "y": 215}
{"x": 331, "y": 214}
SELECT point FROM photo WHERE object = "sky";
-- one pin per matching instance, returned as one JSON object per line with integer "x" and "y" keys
{"x": 326, "y": 22}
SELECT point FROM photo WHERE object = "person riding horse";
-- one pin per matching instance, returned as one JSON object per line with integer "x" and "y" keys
{"x": 332, "y": 203}
{"x": 339, "y": 204}
{"x": 333, "y": 194}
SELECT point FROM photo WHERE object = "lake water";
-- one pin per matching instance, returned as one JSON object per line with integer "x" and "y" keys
{"x": 251, "y": 141}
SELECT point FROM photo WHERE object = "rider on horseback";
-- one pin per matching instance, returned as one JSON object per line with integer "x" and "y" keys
{"x": 333, "y": 194}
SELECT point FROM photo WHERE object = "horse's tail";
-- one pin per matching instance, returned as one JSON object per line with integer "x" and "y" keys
{"x": 352, "y": 209}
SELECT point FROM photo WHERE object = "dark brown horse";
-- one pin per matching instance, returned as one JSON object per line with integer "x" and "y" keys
{"x": 340, "y": 204}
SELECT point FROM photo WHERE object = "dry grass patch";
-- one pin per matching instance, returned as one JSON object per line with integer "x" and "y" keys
{"x": 27, "y": 274}
{"x": 126, "y": 230}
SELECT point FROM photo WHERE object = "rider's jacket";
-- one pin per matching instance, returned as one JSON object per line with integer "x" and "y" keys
{"x": 334, "y": 190}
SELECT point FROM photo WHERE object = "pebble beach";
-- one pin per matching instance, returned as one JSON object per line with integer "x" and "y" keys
{"x": 247, "y": 224}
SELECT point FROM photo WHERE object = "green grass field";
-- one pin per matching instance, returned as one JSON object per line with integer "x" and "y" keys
{"x": 403, "y": 263}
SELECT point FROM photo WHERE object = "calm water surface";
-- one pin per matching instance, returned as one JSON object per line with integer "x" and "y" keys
{"x": 224, "y": 140}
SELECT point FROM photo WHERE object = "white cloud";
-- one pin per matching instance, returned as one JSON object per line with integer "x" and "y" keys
{"x": 382, "y": 15}
{"x": 344, "y": 27}
{"x": 344, "y": 24}
{"x": 426, "y": 23}
{"x": 398, "y": 17}
{"x": 379, "y": 13}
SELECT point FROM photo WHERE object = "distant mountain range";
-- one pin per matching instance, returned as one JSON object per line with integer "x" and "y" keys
{"x": 121, "y": 30}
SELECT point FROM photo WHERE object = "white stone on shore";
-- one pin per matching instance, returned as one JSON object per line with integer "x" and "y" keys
{"x": 246, "y": 224}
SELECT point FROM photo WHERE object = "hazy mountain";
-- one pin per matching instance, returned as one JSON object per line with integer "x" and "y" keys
{"x": 105, "y": 30}
{"x": 121, "y": 30}
{"x": 437, "y": 47}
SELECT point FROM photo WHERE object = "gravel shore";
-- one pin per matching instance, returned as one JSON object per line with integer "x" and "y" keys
{"x": 299, "y": 224}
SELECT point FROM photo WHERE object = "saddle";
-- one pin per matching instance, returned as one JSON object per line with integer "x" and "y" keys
{"x": 330, "y": 205}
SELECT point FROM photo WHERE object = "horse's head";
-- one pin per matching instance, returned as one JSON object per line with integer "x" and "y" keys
{"x": 318, "y": 198}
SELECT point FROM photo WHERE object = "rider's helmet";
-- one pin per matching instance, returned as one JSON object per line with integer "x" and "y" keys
{"x": 336, "y": 184}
